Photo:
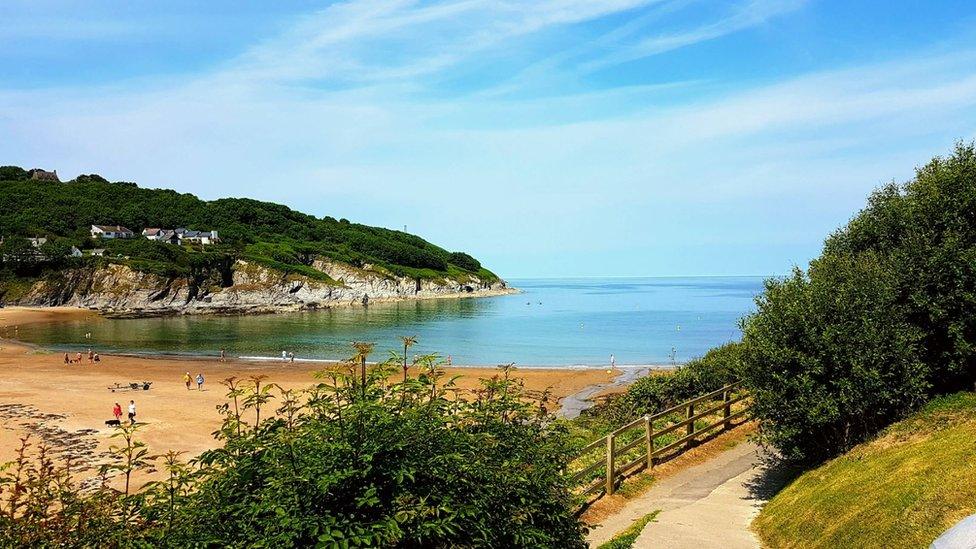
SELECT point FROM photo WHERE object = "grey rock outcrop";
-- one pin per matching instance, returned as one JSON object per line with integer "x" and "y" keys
{"x": 119, "y": 290}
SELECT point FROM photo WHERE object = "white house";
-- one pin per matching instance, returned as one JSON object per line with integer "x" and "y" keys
{"x": 203, "y": 237}
{"x": 110, "y": 231}
{"x": 161, "y": 235}
{"x": 181, "y": 235}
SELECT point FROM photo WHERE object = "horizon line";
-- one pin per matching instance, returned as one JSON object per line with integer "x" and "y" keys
{"x": 640, "y": 276}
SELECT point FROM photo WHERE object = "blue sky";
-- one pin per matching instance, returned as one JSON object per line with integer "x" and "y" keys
{"x": 547, "y": 138}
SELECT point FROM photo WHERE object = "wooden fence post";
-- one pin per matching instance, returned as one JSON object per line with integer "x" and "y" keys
{"x": 649, "y": 440}
{"x": 610, "y": 467}
{"x": 690, "y": 428}
{"x": 727, "y": 411}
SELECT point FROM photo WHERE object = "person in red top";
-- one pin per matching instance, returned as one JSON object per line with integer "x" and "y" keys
{"x": 117, "y": 410}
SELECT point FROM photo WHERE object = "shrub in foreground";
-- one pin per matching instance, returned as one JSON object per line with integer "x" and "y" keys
{"x": 883, "y": 320}
{"x": 343, "y": 464}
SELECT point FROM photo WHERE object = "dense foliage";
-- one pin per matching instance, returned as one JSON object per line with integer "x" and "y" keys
{"x": 883, "y": 320}
{"x": 343, "y": 464}
{"x": 648, "y": 395}
{"x": 270, "y": 233}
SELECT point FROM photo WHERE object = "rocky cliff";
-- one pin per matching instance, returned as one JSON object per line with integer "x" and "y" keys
{"x": 117, "y": 289}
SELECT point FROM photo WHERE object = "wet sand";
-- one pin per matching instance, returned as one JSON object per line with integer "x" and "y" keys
{"x": 572, "y": 405}
{"x": 67, "y": 404}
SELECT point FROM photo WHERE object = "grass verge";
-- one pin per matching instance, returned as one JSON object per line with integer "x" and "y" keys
{"x": 902, "y": 489}
{"x": 626, "y": 539}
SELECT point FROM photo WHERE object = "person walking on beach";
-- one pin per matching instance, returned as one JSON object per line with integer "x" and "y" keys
{"x": 66, "y": 359}
{"x": 291, "y": 356}
{"x": 91, "y": 356}
{"x": 187, "y": 379}
{"x": 132, "y": 412}
{"x": 284, "y": 356}
{"x": 223, "y": 355}
{"x": 117, "y": 411}
{"x": 199, "y": 381}
{"x": 613, "y": 363}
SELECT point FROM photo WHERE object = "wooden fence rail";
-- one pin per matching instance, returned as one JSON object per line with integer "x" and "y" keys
{"x": 615, "y": 456}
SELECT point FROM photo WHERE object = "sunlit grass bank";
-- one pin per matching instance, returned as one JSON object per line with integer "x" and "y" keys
{"x": 902, "y": 489}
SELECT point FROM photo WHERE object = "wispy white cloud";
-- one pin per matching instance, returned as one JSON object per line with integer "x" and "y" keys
{"x": 741, "y": 16}
{"x": 383, "y": 40}
{"x": 345, "y": 113}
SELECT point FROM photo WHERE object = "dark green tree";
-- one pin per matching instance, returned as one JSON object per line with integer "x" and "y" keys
{"x": 883, "y": 320}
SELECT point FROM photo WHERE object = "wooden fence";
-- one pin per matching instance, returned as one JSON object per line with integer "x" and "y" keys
{"x": 604, "y": 462}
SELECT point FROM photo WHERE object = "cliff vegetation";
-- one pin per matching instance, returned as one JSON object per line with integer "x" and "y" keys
{"x": 46, "y": 225}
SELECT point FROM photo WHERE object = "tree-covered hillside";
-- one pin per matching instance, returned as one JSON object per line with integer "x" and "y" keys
{"x": 270, "y": 233}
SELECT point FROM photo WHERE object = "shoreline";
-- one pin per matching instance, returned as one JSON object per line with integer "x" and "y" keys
{"x": 273, "y": 310}
{"x": 261, "y": 310}
{"x": 23, "y": 315}
{"x": 620, "y": 369}
{"x": 66, "y": 405}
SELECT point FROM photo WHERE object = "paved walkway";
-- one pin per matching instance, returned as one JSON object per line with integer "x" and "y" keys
{"x": 707, "y": 505}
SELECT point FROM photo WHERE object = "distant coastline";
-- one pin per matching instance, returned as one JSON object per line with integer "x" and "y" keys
{"x": 119, "y": 291}
{"x": 566, "y": 324}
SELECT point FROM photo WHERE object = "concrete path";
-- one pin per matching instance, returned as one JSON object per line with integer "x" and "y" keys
{"x": 707, "y": 505}
{"x": 720, "y": 519}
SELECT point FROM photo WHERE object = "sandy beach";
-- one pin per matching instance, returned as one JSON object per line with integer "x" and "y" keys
{"x": 67, "y": 404}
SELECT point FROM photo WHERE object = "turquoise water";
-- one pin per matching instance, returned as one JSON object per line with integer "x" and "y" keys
{"x": 552, "y": 322}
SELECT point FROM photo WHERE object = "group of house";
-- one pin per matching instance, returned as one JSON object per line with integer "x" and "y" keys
{"x": 179, "y": 236}
{"x": 38, "y": 255}
{"x": 40, "y": 241}
{"x": 169, "y": 236}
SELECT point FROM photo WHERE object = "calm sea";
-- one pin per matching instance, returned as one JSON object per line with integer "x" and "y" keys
{"x": 557, "y": 322}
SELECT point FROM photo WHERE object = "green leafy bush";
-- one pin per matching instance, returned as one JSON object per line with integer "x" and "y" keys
{"x": 13, "y": 173}
{"x": 651, "y": 394}
{"x": 350, "y": 462}
{"x": 881, "y": 321}
{"x": 465, "y": 261}
{"x": 719, "y": 367}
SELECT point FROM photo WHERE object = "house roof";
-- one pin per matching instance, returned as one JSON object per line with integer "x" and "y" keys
{"x": 112, "y": 228}
{"x": 151, "y": 232}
